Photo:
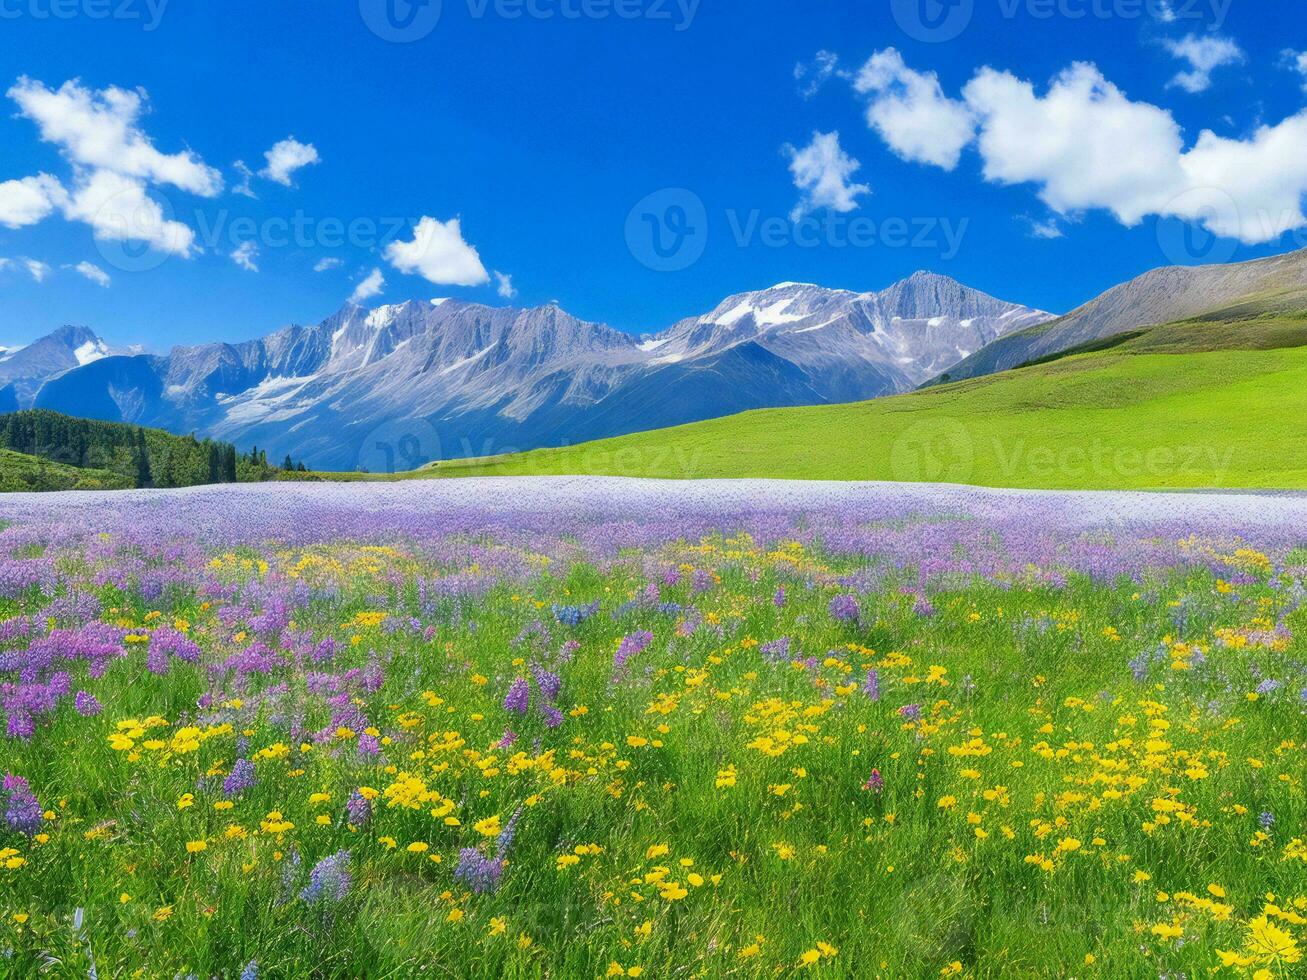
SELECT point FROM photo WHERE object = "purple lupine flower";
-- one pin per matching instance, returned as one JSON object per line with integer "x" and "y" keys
{"x": 549, "y": 683}
{"x": 251, "y": 971}
{"x": 507, "y": 739}
{"x": 86, "y": 704}
{"x": 22, "y": 810}
{"x": 778, "y": 598}
{"x": 631, "y": 645}
{"x": 875, "y": 782}
{"x": 777, "y": 651}
{"x": 358, "y": 811}
{"x": 844, "y": 608}
{"x": 910, "y": 711}
{"x": 329, "y": 880}
{"x": 871, "y": 686}
{"x": 553, "y": 717}
{"x": 479, "y": 873}
{"x": 518, "y": 698}
{"x": 1266, "y": 819}
{"x": 239, "y": 779}
{"x": 1268, "y": 685}
{"x": 369, "y": 745}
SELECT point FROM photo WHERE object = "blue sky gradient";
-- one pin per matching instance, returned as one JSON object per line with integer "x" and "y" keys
{"x": 542, "y": 132}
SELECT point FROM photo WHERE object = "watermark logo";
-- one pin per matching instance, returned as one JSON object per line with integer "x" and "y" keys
{"x": 667, "y": 231}
{"x": 400, "y": 21}
{"x": 399, "y": 446}
{"x": 1187, "y": 240}
{"x": 932, "y": 21}
{"x": 135, "y": 233}
{"x": 148, "y": 13}
{"x": 935, "y": 451}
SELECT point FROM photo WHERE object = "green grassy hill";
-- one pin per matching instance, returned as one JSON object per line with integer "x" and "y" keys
{"x": 19, "y": 471}
{"x": 1218, "y": 401}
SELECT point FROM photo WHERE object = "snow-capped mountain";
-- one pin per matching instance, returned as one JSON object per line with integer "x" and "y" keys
{"x": 480, "y": 380}
{"x": 24, "y": 369}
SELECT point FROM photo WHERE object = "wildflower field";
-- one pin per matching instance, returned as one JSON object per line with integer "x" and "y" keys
{"x": 376, "y": 731}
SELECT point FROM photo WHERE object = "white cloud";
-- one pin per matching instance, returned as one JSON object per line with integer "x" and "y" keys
{"x": 1047, "y": 229}
{"x": 821, "y": 172}
{"x": 247, "y": 175}
{"x": 911, "y": 113}
{"x": 328, "y": 263}
{"x": 1296, "y": 61}
{"x": 369, "y": 287}
{"x": 812, "y": 75}
{"x": 439, "y": 254}
{"x": 99, "y": 129}
{"x": 1205, "y": 55}
{"x": 118, "y": 209}
{"x": 27, "y": 201}
{"x": 93, "y": 272}
{"x": 1086, "y": 146}
{"x": 286, "y": 157}
{"x": 246, "y": 255}
{"x": 505, "y": 288}
{"x": 38, "y": 270}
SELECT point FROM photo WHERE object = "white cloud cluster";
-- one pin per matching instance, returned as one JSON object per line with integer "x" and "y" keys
{"x": 93, "y": 272}
{"x": 812, "y": 76}
{"x": 911, "y": 113}
{"x": 1297, "y": 61}
{"x": 246, "y": 256}
{"x": 1205, "y": 55}
{"x": 504, "y": 285}
{"x": 439, "y": 254}
{"x": 371, "y": 285}
{"x": 821, "y": 172}
{"x": 114, "y": 162}
{"x": 27, "y": 201}
{"x": 1085, "y": 145}
{"x": 286, "y": 157}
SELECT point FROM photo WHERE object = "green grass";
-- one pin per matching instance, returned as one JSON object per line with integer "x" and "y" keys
{"x": 19, "y": 472}
{"x": 1161, "y": 409}
{"x": 1028, "y": 818}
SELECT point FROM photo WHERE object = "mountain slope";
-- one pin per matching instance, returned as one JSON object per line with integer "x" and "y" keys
{"x": 457, "y": 379}
{"x": 1217, "y": 401}
{"x": 1160, "y": 296}
{"x": 24, "y": 369}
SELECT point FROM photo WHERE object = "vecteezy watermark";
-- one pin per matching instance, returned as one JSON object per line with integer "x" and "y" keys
{"x": 936, "y": 21}
{"x": 668, "y": 230}
{"x": 398, "y": 446}
{"x": 405, "y": 21}
{"x": 945, "y": 450}
{"x": 148, "y": 12}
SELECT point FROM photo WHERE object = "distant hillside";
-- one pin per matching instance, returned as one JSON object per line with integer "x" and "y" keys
{"x": 1161, "y": 296}
{"x": 116, "y": 455}
{"x": 20, "y": 472}
{"x": 1217, "y": 401}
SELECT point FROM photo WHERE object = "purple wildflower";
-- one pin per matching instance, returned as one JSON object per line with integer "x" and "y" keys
{"x": 631, "y": 645}
{"x": 239, "y": 779}
{"x": 358, "y": 811}
{"x": 518, "y": 698}
{"x": 329, "y": 880}
{"x": 22, "y": 810}
{"x": 844, "y": 608}
{"x": 778, "y": 599}
{"x": 910, "y": 711}
{"x": 86, "y": 704}
{"x": 875, "y": 782}
{"x": 871, "y": 686}
{"x": 479, "y": 873}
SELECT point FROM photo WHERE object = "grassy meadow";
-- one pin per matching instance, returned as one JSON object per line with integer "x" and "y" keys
{"x": 1161, "y": 410}
{"x": 807, "y": 745}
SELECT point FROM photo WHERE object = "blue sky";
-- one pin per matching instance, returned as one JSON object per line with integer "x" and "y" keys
{"x": 539, "y": 133}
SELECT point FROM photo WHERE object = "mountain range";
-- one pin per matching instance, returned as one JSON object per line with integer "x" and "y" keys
{"x": 465, "y": 379}
{"x": 457, "y": 379}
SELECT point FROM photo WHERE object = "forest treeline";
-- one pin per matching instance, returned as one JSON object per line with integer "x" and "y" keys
{"x": 139, "y": 457}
